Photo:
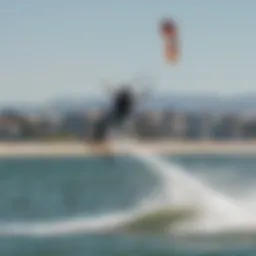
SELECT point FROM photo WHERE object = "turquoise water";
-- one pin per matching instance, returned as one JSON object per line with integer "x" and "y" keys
{"x": 48, "y": 190}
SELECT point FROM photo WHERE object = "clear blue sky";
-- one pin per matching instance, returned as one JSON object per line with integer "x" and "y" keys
{"x": 53, "y": 48}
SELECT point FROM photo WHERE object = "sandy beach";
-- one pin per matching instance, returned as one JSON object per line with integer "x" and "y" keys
{"x": 80, "y": 148}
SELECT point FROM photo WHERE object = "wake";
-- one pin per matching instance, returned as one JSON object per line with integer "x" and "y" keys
{"x": 215, "y": 212}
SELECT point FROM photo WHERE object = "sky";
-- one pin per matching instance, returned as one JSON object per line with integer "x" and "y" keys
{"x": 67, "y": 48}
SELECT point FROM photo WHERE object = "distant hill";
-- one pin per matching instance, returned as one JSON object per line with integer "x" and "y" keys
{"x": 243, "y": 103}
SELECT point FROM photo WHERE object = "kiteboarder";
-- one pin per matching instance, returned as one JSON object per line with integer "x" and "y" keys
{"x": 121, "y": 108}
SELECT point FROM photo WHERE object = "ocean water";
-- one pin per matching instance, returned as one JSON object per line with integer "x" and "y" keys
{"x": 71, "y": 205}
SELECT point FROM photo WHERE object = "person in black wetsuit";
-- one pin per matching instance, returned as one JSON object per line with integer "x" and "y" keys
{"x": 120, "y": 111}
{"x": 123, "y": 104}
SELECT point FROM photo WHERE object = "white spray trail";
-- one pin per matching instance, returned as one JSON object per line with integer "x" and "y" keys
{"x": 83, "y": 225}
{"x": 217, "y": 212}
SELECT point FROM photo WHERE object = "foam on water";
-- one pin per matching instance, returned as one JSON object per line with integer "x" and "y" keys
{"x": 100, "y": 224}
{"x": 216, "y": 212}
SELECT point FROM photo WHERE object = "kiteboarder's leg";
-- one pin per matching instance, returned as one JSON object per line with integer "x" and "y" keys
{"x": 100, "y": 130}
{"x": 99, "y": 135}
{"x": 116, "y": 119}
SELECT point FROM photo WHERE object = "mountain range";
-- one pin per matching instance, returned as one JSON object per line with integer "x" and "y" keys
{"x": 213, "y": 103}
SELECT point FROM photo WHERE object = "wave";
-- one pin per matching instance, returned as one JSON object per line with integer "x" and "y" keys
{"x": 185, "y": 201}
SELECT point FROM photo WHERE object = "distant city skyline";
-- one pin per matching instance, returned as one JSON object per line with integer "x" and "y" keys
{"x": 50, "y": 49}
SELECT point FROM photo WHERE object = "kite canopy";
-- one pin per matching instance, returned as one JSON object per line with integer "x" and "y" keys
{"x": 168, "y": 29}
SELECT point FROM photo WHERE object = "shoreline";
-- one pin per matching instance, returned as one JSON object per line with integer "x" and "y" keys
{"x": 71, "y": 148}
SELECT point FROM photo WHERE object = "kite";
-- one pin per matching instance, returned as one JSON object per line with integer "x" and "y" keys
{"x": 169, "y": 33}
